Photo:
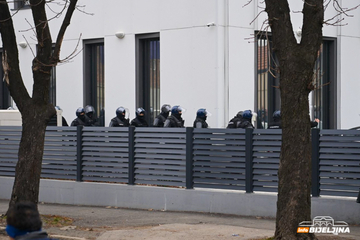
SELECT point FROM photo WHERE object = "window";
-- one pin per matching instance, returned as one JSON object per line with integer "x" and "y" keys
{"x": 148, "y": 74}
{"x": 322, "y": 99}
{"x": 5, "y": 99}
{"x": 19, "y": 4}
{"x": 94, "y": 77}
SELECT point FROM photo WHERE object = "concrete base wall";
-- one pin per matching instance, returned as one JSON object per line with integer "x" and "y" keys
{"x": 173, "y": 199}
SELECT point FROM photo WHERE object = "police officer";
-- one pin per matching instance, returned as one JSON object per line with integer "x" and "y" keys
{"x": 161, "y": 118}
{"x": 200, "y": 121}
{"x": 246, "y": 121}
{"x": 53, "y": 119}
{"x": 119, "y": 120}
{"x": 236, "y": 121}
{"x": 175, "y": 119}
{"x": 80, "y": 117}
{"x": 90, "y": 119}
{"x": 139, "y": 120}
{"x": 276, "y": 124}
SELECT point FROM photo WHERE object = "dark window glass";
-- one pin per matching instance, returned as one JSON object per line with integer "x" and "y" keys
{"x": 148, "y": 74}
{"x": 322, "y": 99}
{"x": 5, "y": 100}
{"x": 94, "y": 77}
{"x": 19, "y": 4}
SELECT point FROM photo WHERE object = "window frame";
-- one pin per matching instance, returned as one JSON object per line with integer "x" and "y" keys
{"x": 89, "y": 88}
{"x": 330, "y": 97}
{"x": 142, "y": 86}
{"x": 5, "y": 97}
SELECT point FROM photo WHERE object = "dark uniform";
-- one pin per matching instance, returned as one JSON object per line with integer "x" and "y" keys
{"x": 175, "y": 120}
{"x": 161, "y": 118}
{"x": 276, "y": 124}
{"x": 246, "y": 122}
{"x": 80, "y": 120}
{"x": 139, "y": 120}
{"x": 200, "y": 121}
{"x": 236, "y": 121}
{"x": 90, "y": 119}
{"x": 119, "y": 120}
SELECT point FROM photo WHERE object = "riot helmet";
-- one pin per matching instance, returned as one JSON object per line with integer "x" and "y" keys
{"x": 247, "y": 114}
{"x": 277, "y": 115}
{"x": 89, "y": 111}
{"x": 202, "y": 113}
{"x": 140, "y": 113}
{"x": 80, "y": 113}
{"x": 240, "y": 115}
{"x": 165, "y": 110}
{"x": 176, "y": 111}
{"x": 120, "y": 112}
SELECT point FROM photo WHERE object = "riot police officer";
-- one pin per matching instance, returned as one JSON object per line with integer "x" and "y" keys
{"x": 80, "y": 117}
{"x": 236, "y": 121}
{"x": 246, "y": 122}
{"x": 175, "y": 119}
{"x": 161, "y": 118}
{"x": 276, "y": 124}
{"x": 200, "y": 121}
{"x": 90, "y": 119}
{"x": 119, "y": 120}
{"x": 139, "y": 120}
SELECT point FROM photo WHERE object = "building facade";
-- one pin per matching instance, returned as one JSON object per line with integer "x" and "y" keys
{"x": 194, "y": 53}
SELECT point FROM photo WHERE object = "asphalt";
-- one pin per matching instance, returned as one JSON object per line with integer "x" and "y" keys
{"x": 110, "y": 223}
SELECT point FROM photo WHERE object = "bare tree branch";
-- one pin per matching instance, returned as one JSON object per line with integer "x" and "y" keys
{"x": 65, "y": 24}
{"x": 11, "y": 61}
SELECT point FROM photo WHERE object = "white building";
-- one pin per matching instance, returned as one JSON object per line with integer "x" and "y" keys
{"x": 204, "y": 54}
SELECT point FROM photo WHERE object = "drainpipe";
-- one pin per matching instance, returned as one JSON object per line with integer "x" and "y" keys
{"x": 222, "y": 63}
{"x": 226, "y": 61}
{"x": 338, "y": 99}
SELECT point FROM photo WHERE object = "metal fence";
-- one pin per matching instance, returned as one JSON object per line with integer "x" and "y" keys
{"x": 186, "y": 157}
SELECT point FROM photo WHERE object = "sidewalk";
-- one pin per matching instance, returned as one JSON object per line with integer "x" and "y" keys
{"x": 113, "y": 224}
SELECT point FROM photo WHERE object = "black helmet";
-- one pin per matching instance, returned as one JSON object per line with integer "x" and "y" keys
{"x": 165, "y": 108}
{"x": 120, "y": 112}
{"x": 240, "y": 115}
{"x": 80, "y": 112}
{"x": 277, "y": 114}
{"x": 140, "y": 112}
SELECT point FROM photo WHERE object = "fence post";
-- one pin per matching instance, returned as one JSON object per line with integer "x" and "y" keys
{"x": 248, "y": 160}
{"x": 315, "y": 171}
{"x": 79, "y": 153}
{"x": 131, "y": 180}
{"x": 189, "y": 158}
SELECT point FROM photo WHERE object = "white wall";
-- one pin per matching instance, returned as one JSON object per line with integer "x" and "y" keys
{"x": 193, "y": 56}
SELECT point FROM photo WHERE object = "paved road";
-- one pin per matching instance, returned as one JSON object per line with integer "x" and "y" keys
{"x": 115, "y": 223}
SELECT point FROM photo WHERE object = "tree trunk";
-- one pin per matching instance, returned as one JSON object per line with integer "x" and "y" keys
{"x": 28, "y": 167}
{"x": 296, "y": 64}
{"x": 294, "y": 201}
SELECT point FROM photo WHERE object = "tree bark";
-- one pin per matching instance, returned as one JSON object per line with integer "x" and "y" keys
{"x": 28, "y": 167}
{"x": 36, "y": 110}
{"x": 296, "y": 63}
